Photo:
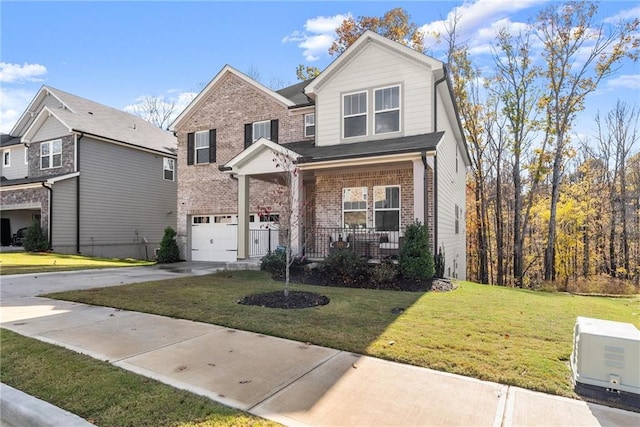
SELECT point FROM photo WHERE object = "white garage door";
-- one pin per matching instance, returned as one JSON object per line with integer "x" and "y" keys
{"x": 214, "y": 238}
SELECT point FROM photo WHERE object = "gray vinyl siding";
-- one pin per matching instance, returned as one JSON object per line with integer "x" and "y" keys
{"x": 124, "y": 199}
{"x": 63, "y": 213}
{"x": 50, "y": 129}
{"x": 17, "y": 169}
{"x": 372, "y": 68}
{"x": 451, "y": 192}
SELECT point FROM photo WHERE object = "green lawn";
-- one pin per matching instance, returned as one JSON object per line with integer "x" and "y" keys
{"x": 23, "y": 262}
{"x": 511, "y": 336}
{"x": 104, "y": 394}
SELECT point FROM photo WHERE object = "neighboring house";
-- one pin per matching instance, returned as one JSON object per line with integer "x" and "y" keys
{"x": 100, "y": 181}
{"x": 376, "y": 144}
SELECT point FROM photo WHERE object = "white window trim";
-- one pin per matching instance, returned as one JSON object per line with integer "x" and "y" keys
{"x": 365, "y": 114}
{"x": 172, "y": 162}
{"x": 26, "y": 155}
{"x": 6, "y": 159}
{"x": 399, "y": 208}
{"x": 399, "y": 109}
{"x": 51, "y": 154}
{"x": 306, "y": 125}
{"x": 253, "y": 130}
{"x": 196, "y": 148}
{"x": 365, "y": 191}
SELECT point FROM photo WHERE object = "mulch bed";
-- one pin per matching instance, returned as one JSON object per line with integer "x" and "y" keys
{"x": 277, "y": 299}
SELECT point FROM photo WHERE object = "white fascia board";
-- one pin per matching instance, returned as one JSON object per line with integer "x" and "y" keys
{"x": 259, "y": 145}
{"x": 366, "y": 37}
{"x": 363, "y": 161}
{"x": 204, "y": 94}
{"x": 20, "y": 187}
{"x": 44, "y": 114}
{"x": 28, "y": 114}
{"x": 63, "y": 177}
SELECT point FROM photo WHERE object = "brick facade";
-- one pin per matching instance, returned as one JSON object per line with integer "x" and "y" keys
{"x": 27, "y": 198}
{"x": 203, "y": 188}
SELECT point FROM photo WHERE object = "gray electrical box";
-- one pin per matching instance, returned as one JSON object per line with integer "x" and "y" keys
{"x": 606, "y": 361}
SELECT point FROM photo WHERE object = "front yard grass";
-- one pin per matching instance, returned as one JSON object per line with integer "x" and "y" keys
{"x": 30, "y": 263}
{"x": 511, "y": 336}
{"x": 103, "y": 394}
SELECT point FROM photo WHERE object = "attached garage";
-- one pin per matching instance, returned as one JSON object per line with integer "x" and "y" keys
{"x": 215, "y": 237}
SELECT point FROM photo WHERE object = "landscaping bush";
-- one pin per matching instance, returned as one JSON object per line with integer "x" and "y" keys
{"x": 345, "y": 267}
{"x": 35, "y": 239}
{"x": 168, "y": 247}
{"x": 276, "y": 263}
{"x": 383, "y": 274}
{"x": 415, "y": 260}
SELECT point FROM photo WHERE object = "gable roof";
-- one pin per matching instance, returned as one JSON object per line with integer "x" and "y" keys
{"x": 296, "y": 94}
{"x": 85, "y": 116}
{"x": 366, "y": 38}
{"x": 204, "y": 94}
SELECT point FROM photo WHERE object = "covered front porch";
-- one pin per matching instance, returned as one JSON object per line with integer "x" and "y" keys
{"x": 362, "y": 204}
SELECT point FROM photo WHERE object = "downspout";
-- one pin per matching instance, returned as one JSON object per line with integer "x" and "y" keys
{"x": 78, "y": 138}
{"x": 49, "y": 214}
{"x": 435, "y": 159}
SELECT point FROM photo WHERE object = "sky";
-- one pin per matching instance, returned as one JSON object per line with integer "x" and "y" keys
{"x": 115, "y": 52}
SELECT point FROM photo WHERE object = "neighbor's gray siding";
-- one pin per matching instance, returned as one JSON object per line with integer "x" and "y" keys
{"x": 63, "y": 214}
{"x": 17, "y": 167}
{"x": 124, "y": 200}
{"x": 50, "y": 129}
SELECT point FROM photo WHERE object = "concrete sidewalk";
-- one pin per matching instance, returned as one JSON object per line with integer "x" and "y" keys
{"x": 292, "y": 382}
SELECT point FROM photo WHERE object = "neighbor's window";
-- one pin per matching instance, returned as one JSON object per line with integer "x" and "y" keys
{"x": 355, "y": 114}
{"x": 169, "y": 168}
{"x": 386, "y": 208}
{"x": 6, "y": 158}
{"x": 457, "y": 223}
{"x": 51, "y": 154}
{"x": 387, "y": 109}
{"x": 262, "y": 130}
{"x": 26, "y": 156}
{"x": 201, "y": 220}
{"x": 354, "y": 207}
{"x": 309, "y": 124}
{"x": 202, "y": 146}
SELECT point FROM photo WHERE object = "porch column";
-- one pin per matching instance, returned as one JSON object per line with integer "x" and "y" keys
{"x": 243, "y": 217}
{"x": 296, "y": 217}
{"x": 418, "y": 190}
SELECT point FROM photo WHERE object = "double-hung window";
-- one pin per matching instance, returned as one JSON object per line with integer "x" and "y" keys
{"x": 169, "y": 168}
{"x": 6, "y": 158}
{"x": 202, "y": 146}
{"x": 51, "y": 154}
{"x": 262, "y": 130}
{"x": 354, "y": 207}
{"x": 387, "y": 109}
{"x": 355, "y": 114}
{"x": 386, "y": 207}
{"x": 309, "y": 125}
{"x": 457, "y": 223}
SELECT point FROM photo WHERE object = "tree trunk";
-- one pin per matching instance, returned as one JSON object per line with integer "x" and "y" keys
{"x": 550, "y": 250}
{"x": 483, "y": 271}
{"x": 499, "y": 226}
{"x": 518, "y": 233}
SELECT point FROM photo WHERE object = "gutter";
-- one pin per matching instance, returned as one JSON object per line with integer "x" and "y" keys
{"x": 426, "y": 190}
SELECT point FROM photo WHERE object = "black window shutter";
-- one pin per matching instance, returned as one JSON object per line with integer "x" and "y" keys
{"x": 190, "y": 148}
{"x": 212, "y": 146}
{"x": 274, "y": 130}
{"x": 248, "y": 135}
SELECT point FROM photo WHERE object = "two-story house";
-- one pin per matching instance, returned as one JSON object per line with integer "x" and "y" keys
{"x": 374, "y": 143}
{"x": 101, "y": 181}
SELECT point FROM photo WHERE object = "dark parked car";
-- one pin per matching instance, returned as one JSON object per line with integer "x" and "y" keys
{"x": 19, "y": 237}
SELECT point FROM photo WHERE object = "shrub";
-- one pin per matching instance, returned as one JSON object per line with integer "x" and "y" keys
{"x": 168, "y": 247}
{"x": 345, "y": 267}
{"x": 35, "y": 240}
{"x": 274, "y": 263}
{"x": 415, "y": 260}
{"x": 384, "y": 273}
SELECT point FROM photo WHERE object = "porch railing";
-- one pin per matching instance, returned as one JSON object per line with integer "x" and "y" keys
{"x": 262, "y": 241}
{"x": 367, "y": 243}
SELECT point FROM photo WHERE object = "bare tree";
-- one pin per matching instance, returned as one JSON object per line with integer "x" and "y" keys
{"x": 157, "y": 110}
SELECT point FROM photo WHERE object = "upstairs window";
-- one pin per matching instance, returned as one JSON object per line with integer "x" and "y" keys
{"x": 6, "y": 158}
{"x": 169, "y": 168}
{"x": 386, "y": 207}
{"x": 354, "y": 207}
{"x": 309, "y": 125}
{"x": 51, "y": 154}
{"x": 267, "y": 129}
{"x": 387, "y": 109}
{"x": 355, "y": 114}
{"x": 201, "y": 147}
{"x": 457, "y": 222}
{"x": 262, "y": 130}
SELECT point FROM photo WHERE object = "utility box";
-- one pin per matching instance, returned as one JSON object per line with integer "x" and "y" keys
{"x": 606, "y": 362}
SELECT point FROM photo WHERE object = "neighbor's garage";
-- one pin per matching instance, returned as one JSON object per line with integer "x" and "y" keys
{"x": 215, "y": 237}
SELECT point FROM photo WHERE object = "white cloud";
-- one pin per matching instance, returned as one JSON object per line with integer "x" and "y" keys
{"x": 14, "y": 73}
{"x": 623, "y": 15}
{"x": 318, "y": 34}
{"x": 13, "y": 102}
{"x": 627, "y": 81}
